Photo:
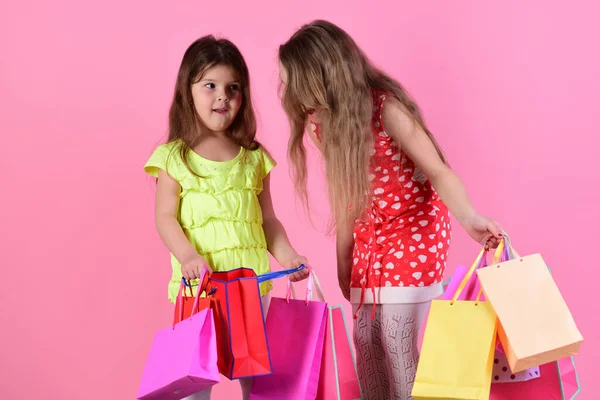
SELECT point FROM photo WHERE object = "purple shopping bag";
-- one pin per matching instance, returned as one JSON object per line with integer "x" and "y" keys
{"x": 183, "y": 358}
{"x": 296, "y": 332}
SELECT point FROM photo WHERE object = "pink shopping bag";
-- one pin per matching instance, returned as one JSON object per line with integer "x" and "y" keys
{"x": 339, "y": 378}
{"x": 469, "y": 292}
{"x": 182, "y": 359}
{"x": 296, "y": 333}
{"x": 558, "y": 381}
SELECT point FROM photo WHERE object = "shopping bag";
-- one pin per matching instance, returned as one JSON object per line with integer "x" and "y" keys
{"x": 241, "y": 333}
{"x": 185, "y": 304}
{"x": 558, "y": 381}
{"x": 471, "y": 289}
{"x": 535, "y": 324}
{"x": 183, "y": 357}
{"x": 339, "y": 376}
{"x": 296, "y": 331}
{"x": 457, "y": 354}
{"x": 500, "y": 373}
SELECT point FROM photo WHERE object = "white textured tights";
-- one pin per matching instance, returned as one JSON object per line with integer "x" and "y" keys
{"x": 386, "y": 349}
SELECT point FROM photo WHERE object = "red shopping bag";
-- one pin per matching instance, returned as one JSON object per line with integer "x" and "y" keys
{"x": 241, "y": 334}
{"x": 240, "y": 323}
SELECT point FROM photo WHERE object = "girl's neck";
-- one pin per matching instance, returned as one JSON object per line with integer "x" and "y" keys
{"x": 204, "y": 132}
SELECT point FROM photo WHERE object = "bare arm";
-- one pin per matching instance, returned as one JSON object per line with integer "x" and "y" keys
{"x": 344, "y": 246}
{"x": 418, "y": 146}
{"x": 169, "y": 230}
{"x": 278, "y": 243}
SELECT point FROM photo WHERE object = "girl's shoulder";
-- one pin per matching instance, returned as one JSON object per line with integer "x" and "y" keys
{"x": 166, "y": 156}
{"x": 261, "y": 159}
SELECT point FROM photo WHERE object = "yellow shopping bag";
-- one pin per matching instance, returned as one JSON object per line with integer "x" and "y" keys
{"x": 535, "y": 324}
{"x": 458, "y": 348}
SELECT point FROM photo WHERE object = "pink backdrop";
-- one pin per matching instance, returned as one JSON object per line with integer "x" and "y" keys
{"x": 510, "y": 91}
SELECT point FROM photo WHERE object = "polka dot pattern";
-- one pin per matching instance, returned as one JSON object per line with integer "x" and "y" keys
{"x": 501, "y": 371}
{"x": 404, "y": 239}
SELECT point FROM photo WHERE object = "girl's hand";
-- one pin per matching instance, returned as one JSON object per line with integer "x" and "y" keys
{"x": 294, "y": 262}
{"x": 484, "y": 230}
{"x": 192, "y": 266}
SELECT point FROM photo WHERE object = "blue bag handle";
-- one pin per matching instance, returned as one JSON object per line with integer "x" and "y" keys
{"x": 279, "y": 274}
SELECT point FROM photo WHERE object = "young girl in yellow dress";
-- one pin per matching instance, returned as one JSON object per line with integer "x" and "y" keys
{"x": 213, "y": 198}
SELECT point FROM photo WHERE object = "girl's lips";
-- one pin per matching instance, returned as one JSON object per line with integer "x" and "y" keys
{"x": 221, "y": 110}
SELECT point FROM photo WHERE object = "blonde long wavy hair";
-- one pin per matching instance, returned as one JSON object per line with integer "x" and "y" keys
{"x": 328, "y": 72}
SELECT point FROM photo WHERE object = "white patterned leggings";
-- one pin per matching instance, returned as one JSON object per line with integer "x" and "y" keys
{"x": 386, "y": 349}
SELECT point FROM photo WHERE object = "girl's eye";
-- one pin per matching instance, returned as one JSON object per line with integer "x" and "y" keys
{"x": 234, "y": 87}
{"x": 210, "y": 85}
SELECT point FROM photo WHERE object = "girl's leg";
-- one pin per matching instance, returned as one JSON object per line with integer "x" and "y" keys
{"x": 400, "y": 334}
{"x": 246, "y": 384}
{"x": 370, "y": 355}
{"x": 203, "y": 395}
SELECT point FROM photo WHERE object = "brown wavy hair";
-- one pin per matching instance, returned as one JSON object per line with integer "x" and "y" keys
{"x": 184, "y": 122}
{"x": 328, "y": 72}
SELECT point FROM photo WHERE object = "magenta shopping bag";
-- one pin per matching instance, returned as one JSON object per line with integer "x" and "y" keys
{"x": 183, "y": 358}
{"x": 471, "y": 288}
{"x": 339, "y": 377}
{"x": 296, "y": 333}
{"x": 558, "y": 381}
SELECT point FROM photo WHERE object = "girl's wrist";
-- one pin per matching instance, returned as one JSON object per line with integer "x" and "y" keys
{"x": 286, "y": 256}
{"x": 467, "y": 218}
{"x": 188, "y": 255}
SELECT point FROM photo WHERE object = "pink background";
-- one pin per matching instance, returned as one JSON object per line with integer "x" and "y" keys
{"x": 510, "y": 90}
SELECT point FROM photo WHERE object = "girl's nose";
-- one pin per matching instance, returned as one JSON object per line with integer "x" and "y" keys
{"x": 223, "y": 97}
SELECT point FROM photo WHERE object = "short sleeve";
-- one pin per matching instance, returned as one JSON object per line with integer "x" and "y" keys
{"x": 158, "y": 160}
{"x": 268, "y": 162}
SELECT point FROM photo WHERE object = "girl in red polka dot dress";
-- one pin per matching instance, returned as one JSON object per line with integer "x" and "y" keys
{"x": 390, "y": 190}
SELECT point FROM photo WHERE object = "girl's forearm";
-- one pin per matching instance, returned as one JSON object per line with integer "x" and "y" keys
{"x": 344, "y": 245}
{"x": 454, "y": 194}
{"x": 173, "y": 237}
{"x": 278, "y": 243}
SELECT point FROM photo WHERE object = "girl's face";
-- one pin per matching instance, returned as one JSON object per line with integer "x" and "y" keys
{"x": 283, "y": 76}
{"x": 217, "y": 97}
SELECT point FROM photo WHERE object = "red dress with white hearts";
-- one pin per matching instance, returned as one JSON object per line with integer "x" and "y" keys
{"x": 401, "y": 247}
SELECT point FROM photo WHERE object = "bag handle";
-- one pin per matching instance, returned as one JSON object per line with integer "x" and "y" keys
{"x": 562, "y": 388}
{"x": 313, "y": 282}
{"x": 279, "y": 274}
{"x": 505, "y": 251}
{"x": 182, "y": 287}
{"x": 480, "y": 261}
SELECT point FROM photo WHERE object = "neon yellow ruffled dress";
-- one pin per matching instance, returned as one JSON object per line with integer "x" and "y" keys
{"x": 220, "y": 213}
